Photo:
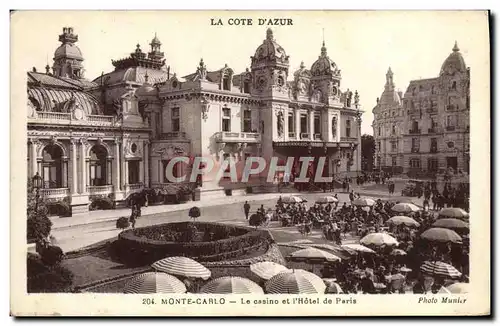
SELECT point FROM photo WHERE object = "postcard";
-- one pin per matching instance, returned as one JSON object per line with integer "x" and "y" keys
{"x": 250, "y": 163}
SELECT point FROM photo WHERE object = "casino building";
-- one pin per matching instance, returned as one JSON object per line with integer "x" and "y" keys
{"x": 114, "y": 136}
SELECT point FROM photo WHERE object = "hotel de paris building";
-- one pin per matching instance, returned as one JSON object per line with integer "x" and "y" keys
{"x": 114, "y": 136}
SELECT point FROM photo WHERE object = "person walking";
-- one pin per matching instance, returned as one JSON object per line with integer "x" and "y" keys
{"x": 246, "y": 209}
{"x": 133, "y": 216}
{"x": 351, "y": 196}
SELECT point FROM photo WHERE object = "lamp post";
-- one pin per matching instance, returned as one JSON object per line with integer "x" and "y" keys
{"x": 37, "y": 184}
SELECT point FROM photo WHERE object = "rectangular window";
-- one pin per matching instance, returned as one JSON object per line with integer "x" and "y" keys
{"x": 451, "y": 121}
{"x": 379, "y": 146}
{"x": 415, "y": 163}
{"x": 432, "y": 164}
{"x": 226, "y": 119}
{"x": 434, "y": 146}
{"x": 291, "y": 122}
{"x": 175, "y": 120}
{"x": 394, "y": 146}
{"x": 246, "y": 87}
{"x": 348, "y": 128}
{"x": 317, "y": 124}
{"x": 226, "y": 83}
{"x": 133, "y": 172}
{"x": 415, "y": 144}
{"x": 303, "y": 123}
{"x": 247, "y": 121}
{"x": 394, "y": 161}
{"x": 226, "y": 157}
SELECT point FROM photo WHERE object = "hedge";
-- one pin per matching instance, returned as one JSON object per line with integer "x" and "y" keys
{"x": 139, "y": 247}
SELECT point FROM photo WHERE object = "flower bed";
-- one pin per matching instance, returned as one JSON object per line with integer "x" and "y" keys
{"x": 201, "y": 241}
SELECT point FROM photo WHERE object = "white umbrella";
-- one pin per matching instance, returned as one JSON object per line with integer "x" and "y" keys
{"x": 267, "y": 269}
{"x": 441, "y": 235}
{"x": 454, "y": 212}
{"x": 405, "y": 208}
{"x": 313, "y": 254}
{"x": 379, "y": 239}
{"x": 326, "y": 200}
{"x": 405, "y": 220}
{"x": 357, "y": 247}
{"x": 459, "y": 288}
{"x": 231, "y": 285}
{"x": 153, "y": 282}
{"x": 296, "y": 281}
{"x": 363, "y": 202}
{"x": 182, "y": 266}
{"x": 332, "y": 287}
{"x": 292, "y": 199}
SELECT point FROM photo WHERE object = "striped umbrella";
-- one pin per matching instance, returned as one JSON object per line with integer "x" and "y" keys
{"x": 182, "y": 266}
{"x": 451, "y": 223}
{"x": 267, "y": 269}
{"x": 292, "y": 199}
{"x": 296, "y": 281}
{"x": 405, "y": 208}
{"x": 405, "y": 220}
{"x": 326, "y": 200}
{"x": 458, "y": 288}
{"x": 358, "y": 248}
{"x": 313, "y": 254}
{"x": 440, "y": 268}
{"x": 378, "y": 239}
{"x": 231, "y": 285}
{"x": 153, "y": 282}
{"x": 363, "y": 202}
{"x": 453, "y": 212}
{"x": 441, "y": 235}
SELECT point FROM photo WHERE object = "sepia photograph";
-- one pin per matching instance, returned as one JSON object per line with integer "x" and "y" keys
{"x": 213, "y": 160}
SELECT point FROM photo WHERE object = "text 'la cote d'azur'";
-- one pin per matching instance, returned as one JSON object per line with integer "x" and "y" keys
{"x": 251, "y": 21}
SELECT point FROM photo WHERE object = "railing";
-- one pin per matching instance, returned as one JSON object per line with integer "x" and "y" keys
{"x": 101, "y": 118}
{"x": 450, "y": 128}
{"x": 291, "y": 135}
{"x": 432, "y": 130}
{"x": 96, "y": 190}
{"x": 317, "y": 136}
{"x": 304, "y": 135}
{"x": 54, "y": 115}
{"x": 135, "y": 186}
{"x": 54, "y": 192}
{"x": 224, "y": 136}
{"x": 414, "y": 131}
{"x": 173, "y": 135}
{"x": 349, "y": 139}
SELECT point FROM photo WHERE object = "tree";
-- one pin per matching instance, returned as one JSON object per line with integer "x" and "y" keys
{"x": 39, "y": 225}
{"x": 367, "y": 152}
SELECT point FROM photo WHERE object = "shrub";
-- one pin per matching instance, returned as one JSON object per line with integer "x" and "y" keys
{"x": 101, "y": 203}
{"x": 145, "y": 245}
{"x": 190, "y": 234}
{"x": 38, "y": 227}
{"x": 42, "y": 278}
{"x": 194, "y": 212}
{"x": 256, "y": 220}
{"x": 122, "y": 223}
{"x": 52, "y": 255}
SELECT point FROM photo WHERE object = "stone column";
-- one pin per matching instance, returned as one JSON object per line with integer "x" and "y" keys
{"x": 297, "y": 124}
{"x": 141, "y": 171}
{"x": 123, "y": 168}
{"x": 116, "y": 165}
{"x": 311, "y": 124}
{"x": 83, "y": 167}
{"x": 146, "y": 163}
{"x": 358, "y": 149}
{"x": 285, "y": 124}
{"x": 109, "y": 170}
{"x": 74, "y": 168}
{"x": 65, "y": 172}
{"x": 33, "y": 158}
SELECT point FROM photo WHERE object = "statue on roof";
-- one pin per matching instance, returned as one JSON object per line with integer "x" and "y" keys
{"x": 202, "y": 70}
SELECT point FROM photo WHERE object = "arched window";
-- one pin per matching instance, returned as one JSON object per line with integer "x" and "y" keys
{"x": 98, "y": 166}
{"x": 414, "y": 126}
{"x": 454, "y": 85}
{"x": 52, "y": 166}
{"x": 393, "y": 129}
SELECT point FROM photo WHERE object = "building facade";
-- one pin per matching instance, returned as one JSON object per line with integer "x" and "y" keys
{"x": 425, "y": 131}
{"x": 115, "y": 135}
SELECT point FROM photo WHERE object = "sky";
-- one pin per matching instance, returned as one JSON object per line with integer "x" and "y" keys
{"x": 363, "y": 44}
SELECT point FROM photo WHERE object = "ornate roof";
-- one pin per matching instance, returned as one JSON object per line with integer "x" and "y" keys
{"x": 454, "y": 62}
{"x": 62, "y": 100}
{"x": 134, "y": 74}
{"x": 138, "y": 59}
{"x": 390, "y": 97}
{"x": 270, "y": 51}
{"x": 68, "y": 49}
{"x": 324, "y": 66}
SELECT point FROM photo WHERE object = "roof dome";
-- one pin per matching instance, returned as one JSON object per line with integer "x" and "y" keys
{"x": 145, "y": 90}
{"x": 454, "y": 62}
{"x": 68, "y": 50}
{"x": 324, "y": 65}
{"x": 269, "y": 48}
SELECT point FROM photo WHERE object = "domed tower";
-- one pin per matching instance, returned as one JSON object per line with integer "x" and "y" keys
{"x": 270, "y": 67}
{"x": 156, "y": 53}
{"x": 68, "y": 59}
{"x": 454, "y": 80}
{"x": 325, "y": 80}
